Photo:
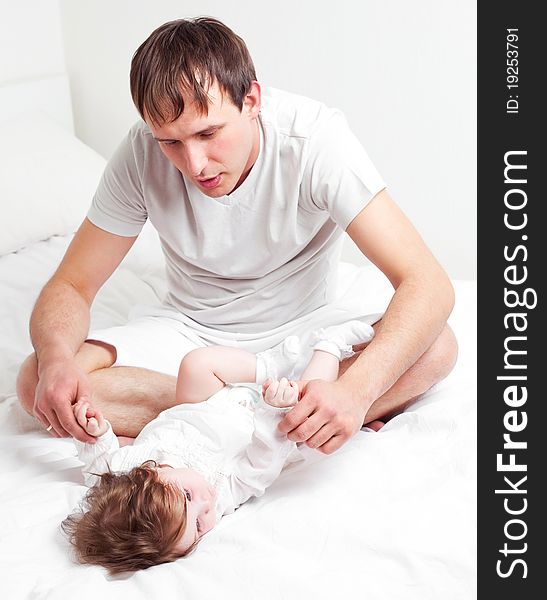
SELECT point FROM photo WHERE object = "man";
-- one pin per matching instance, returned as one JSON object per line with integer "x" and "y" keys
{"x": 250, "y": 191}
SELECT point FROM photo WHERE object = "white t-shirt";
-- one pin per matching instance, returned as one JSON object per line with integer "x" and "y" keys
{"x": 267, "y": 253}
{"x": 231, "y": 439}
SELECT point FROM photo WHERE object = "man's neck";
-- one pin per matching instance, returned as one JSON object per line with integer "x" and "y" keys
{"x": 252, "y": 157}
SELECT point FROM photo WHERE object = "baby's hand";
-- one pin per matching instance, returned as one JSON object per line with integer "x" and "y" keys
{"x": 281, "y": 394}
{"x": 89, "y": 418}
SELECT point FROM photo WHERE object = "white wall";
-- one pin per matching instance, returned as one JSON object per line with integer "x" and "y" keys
{"x": 37, "y": 21}
{"x": 403, "y": 72}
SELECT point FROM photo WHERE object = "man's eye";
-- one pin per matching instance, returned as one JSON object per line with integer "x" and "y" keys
{"x": 170, "y": 143}
{"x": 188, "y": 495}
{"x": 208, "y": 134}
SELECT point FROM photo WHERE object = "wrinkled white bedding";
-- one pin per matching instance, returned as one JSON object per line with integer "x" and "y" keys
{"x": 389, "y": 516}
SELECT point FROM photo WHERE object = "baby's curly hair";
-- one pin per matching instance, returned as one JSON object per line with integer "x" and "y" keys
{"x": 129, "y": 521}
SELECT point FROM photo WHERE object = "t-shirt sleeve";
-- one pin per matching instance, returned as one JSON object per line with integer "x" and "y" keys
{"x": 339, "y": 174}
{"x": 118, "y": 204}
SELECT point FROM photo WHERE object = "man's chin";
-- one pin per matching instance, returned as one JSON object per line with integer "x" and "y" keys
{"x": 216, "y": 193}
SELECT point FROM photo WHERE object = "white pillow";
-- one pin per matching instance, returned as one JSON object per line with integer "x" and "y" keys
{"x": 47, "y": 180}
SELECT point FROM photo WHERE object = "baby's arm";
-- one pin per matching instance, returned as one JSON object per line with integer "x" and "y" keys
{"x": 96, "y": 457}
{"x": 205, "y": 371}
{"x": 261, "y": 462}
{"x": 282, "y": 393}
{"x": 90, "y": 418}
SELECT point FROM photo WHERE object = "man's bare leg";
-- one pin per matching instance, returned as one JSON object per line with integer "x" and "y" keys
{"x": 128, "y": 397}
{"x": 433, "y": 366}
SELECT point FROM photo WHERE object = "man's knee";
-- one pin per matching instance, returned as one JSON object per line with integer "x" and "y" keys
{"x": 441, "y": 357}
{"x": 27, "y": 379}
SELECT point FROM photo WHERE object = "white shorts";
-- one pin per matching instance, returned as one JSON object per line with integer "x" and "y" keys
{"x": 158, "y": 337}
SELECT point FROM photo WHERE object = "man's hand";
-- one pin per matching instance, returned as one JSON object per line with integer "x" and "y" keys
{"x": 326, "y": 416}
{"x": 59, "y": 386}
{"x": 90, "y": 418}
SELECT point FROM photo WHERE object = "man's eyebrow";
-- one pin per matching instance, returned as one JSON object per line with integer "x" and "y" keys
{"x": 209, "y": 127}
{"x": 204, "y": 130}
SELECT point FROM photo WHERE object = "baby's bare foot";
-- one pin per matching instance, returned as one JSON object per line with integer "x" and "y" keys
{"x": 281, "y": 394}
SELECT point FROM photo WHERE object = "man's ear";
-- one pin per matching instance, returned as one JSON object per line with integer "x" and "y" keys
{"x": 253, "y": 100}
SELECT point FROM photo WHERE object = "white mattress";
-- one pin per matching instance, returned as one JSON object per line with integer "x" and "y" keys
{"x": 389, "y": 516}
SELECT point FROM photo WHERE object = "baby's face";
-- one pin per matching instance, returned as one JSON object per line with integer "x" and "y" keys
{"x": 200, "y": 505}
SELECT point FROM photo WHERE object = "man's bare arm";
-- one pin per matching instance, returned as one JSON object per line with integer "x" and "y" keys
{"x": 420, "y": 307}
{"x": 330, "y": 413}
{"x": 60, "y": 321}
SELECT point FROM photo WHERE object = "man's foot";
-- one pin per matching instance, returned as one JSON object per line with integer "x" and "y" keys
{"x": 375, "y": 425}
{"x": 281, "y": 394}
{"x": 125, "y": 441}
{"x": 339, "y": 339}
{"x": 279, "y": 361}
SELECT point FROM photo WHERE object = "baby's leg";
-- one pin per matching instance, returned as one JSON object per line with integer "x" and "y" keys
{"x": 205, "y": 371}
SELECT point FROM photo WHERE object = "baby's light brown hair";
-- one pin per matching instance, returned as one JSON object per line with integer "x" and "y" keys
{"x": 130, "y": 521}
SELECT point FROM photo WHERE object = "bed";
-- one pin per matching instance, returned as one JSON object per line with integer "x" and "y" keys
{"x": 391, "y": 515}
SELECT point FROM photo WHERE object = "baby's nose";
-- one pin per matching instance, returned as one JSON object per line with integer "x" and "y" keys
{"x": 205, "y": 504}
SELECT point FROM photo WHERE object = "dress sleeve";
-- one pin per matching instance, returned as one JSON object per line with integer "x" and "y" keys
{"x": 97, "y": 457}
{"x": 259, "y": 465}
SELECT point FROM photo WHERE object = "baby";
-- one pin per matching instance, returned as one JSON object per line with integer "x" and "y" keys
{"x": 151, "y": 502}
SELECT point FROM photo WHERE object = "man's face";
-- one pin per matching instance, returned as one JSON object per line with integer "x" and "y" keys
{"x": 215, "y": 151}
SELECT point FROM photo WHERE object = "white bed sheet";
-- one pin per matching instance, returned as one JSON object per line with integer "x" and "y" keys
{"x": 391, "y": 515}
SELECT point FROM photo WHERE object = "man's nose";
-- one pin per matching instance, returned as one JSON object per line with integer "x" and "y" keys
{"x": 196, "y": 160}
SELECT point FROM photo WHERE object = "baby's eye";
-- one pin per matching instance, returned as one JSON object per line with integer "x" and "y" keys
{"x": 198, "y": 526}
{"x": 188, "y": 495}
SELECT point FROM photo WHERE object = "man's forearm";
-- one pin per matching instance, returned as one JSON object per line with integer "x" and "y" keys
{"x": 414, "y": 319}
{"x": 59, "y": 323}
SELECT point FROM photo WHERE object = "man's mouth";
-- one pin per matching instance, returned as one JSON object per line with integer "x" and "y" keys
{"x": 210, "y": 182}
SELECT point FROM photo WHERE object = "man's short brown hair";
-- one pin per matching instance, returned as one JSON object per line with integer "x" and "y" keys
{"x": 131, "y": 521}
{"x": 185, "y": 57}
